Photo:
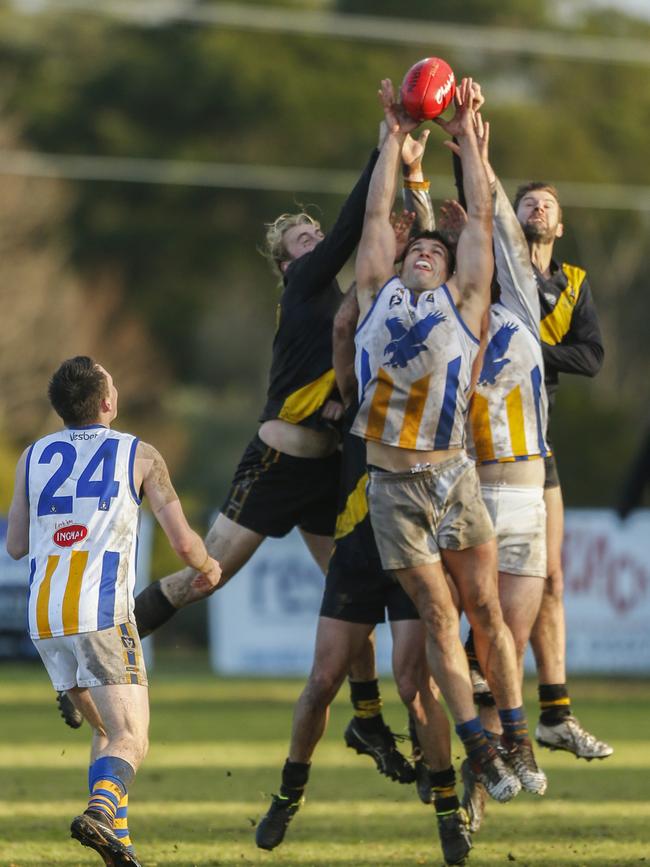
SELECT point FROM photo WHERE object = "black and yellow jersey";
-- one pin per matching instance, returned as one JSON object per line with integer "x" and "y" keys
{"x": 571, "y": 339}
{"x": 354, "y": 541}
{"x": 302, "y": 377}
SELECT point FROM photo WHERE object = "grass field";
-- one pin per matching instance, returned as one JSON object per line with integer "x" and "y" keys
{"x": 216, "y": 750}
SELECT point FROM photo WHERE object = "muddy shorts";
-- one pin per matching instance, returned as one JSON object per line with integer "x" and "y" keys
{"x": 102, "y": 658}
{"x": 519, "y": 517}
{"x": 415, "y": 514}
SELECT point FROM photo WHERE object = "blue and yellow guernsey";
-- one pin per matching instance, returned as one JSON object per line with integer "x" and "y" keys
{"x": 413, "y": 361}
{"x": 509, "y": 408}
{"x": 83, "y": 522}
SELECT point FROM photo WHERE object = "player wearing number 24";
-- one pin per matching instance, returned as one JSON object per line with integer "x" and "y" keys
{"x": 75, "y": 512}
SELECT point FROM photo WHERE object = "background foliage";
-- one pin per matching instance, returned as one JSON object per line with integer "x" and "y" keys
{"x": 163, "y": 282}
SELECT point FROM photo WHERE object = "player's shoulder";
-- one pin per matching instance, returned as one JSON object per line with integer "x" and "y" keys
{"x": 574, "y": 273}
{"x": 147, "y": 452}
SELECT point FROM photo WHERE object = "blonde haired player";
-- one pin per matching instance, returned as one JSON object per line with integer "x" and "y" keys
{"x": 75, "y": 512}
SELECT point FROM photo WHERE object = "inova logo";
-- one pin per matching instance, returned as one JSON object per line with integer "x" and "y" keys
{"x": 68, "y": 536}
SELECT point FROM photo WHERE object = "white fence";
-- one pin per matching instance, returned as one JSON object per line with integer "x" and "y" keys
{"x": 264, "y": 621}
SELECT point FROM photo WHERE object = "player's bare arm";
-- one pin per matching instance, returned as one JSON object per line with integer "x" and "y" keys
{"x": 152, "y": 475}
{"x": 376, "y": 255}
{"x": 475, "y": 260}
{"x": 18, "y": 523}
{"x": 345, "y": 323}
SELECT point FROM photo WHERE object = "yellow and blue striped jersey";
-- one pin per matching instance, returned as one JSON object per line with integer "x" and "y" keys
{"x": 413, "y": 360}
{"x": 509, "y": 408}
{"x": 83, "y": 522}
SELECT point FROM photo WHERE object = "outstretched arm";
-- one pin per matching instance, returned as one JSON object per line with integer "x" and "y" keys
{"x": 309, "y": 275}
{"x": 345, "y": 323}
{"x": 515, "y": 272}
{"x": 475, "y": 261}
{"x": 415, "y": 188}
{"x": 376, "y": 254}
{"x": 18, "y": 523}
{"x": 152, "y": 470}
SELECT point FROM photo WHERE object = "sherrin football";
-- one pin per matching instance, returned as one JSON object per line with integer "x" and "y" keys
{"x": 428, "y": 88}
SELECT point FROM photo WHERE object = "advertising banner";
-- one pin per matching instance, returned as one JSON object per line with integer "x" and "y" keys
{"x": 264, "y": 621}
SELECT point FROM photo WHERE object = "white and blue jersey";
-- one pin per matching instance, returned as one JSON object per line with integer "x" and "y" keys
{"x": 413, "y": 360}
{"x": 509, "y": 408}
{"x": 83, "y": 522}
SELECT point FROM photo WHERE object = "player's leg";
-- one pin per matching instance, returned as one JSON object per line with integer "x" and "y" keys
{"x": 548, "y": 637}
{"x": 520, "y": 597}
{"x": 474, "y": 572}
{"x": 119, "y": 715}
{"x": 557, "y": 728}
{"x": 86, "y": 706}
{"x": 113, "y": 697}
{"x": 364, "y": 684}
{"x": 336, "y": 642}
{"x": 87, "y": 666}
{"x": 228, "y": 542}
{"x": 421, "y": 696}
{"x": 260, "y": 503}
{"x": 427, "y": 587}
{"x": 402, "y": 519}
{"x": 362, "y": 669}
{"x": 422, "y": 769}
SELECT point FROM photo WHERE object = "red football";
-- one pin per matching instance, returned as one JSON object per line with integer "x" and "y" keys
{"x": 428, "y": 88}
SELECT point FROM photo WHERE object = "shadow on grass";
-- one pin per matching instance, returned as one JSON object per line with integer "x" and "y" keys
{"x": 223, "y": 784}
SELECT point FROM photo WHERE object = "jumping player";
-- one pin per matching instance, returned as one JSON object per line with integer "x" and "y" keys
{"x": 571, "y": 343}
{"x": 75, "y": 512}
{"x": 357, "y": 594}
{"x": 415, "y": 347}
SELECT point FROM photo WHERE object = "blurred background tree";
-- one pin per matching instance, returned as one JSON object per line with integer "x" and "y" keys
{"x": 201, "y": 131}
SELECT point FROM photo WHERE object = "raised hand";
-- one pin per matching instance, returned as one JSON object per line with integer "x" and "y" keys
{"x": 478, "y": 100}
{"x": 452, "y": 219}
{"x": 482, "y": 130}
{"x": 401, "y": 224}
{"x": 462, "y": 123}
{"x": 209, "y": 578}
{"x": 413, "y": 151}
{"x": 397, "y": 120}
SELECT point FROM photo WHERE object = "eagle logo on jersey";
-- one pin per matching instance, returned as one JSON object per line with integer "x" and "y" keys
{"x": 406, "y": 343}
{"x": 495, "y": 359}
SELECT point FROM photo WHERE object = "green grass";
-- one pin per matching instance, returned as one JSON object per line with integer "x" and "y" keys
{"x": 217, "y": 746}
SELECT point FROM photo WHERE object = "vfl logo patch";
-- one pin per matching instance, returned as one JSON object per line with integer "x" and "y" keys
{"x": 495, "y": 359}
{"x": 68, "y": 536}
{"x": 128, "y": 642}
{"x": 408, "y": 343}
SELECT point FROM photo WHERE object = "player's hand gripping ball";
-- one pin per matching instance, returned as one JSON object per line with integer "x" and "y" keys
{"x": 428, "y": 88}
